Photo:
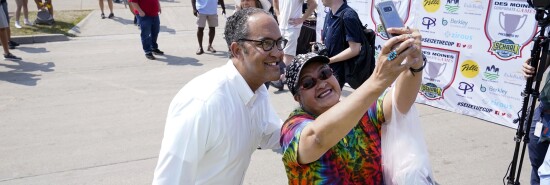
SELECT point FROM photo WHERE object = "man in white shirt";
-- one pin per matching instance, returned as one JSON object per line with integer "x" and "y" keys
{"x": 219, "y": 118}
{"x": 289, "y": 14}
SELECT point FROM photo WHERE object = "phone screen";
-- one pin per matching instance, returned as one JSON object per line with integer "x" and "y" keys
{"x": 389, "y": 16}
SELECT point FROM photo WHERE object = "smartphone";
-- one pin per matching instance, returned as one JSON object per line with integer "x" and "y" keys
{"x": 389, "y": 16}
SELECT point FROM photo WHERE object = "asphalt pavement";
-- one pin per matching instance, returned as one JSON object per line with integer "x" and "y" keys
{"x": 91, "y": 110}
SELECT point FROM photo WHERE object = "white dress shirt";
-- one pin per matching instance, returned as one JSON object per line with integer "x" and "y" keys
{"x": 214, "y": 124}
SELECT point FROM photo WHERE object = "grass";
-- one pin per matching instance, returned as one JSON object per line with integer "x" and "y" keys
{"x": 64, "y": 21}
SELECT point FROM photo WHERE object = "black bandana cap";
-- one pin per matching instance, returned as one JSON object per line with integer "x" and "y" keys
{"x": 293, "y": 71}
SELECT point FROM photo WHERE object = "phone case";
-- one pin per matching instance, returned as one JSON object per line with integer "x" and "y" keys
{"x": 389, "y": 16}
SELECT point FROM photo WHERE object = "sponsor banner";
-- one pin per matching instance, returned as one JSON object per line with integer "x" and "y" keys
{"x": 474, "y": 50}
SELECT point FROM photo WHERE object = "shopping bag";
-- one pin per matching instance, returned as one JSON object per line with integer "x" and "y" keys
{"x": 405, "y": 159}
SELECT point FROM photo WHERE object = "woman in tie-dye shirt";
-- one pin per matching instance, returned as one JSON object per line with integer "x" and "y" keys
{"x": 328, "y": 141}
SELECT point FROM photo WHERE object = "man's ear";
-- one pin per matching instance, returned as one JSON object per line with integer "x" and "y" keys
{"x": 236, "y": 50}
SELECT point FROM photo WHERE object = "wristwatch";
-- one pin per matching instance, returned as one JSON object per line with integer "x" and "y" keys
{"x": 413, "y": 70}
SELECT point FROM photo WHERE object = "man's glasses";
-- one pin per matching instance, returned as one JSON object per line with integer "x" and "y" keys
{"x": 309, "y": 82}
{"x": 267, "y": 44}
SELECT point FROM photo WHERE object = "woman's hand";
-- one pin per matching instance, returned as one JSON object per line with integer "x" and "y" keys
{"x": 413, "y": 33}
{"x": 390, "y": 61}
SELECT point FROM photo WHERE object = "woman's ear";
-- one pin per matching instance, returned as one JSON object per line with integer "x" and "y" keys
{"x": 297, "y": 98}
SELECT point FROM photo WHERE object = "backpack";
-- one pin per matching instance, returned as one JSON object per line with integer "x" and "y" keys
{"x": 43, "y": 17}
{"x": 361, "y": 67}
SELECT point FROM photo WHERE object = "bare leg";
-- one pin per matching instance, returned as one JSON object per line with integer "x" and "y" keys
{"x": 200, "y": 33}
{"x": 110, "y": 2}
{"x": 4, "y": 39}
{"x": 18, "y": 10}
{"x": 26, "y": 9}
{"x": 101, "y": 6}
{"x": 211, "y": 34}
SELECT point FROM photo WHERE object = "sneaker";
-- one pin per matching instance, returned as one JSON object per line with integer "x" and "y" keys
{"x": 12, "y": 44}
{"x": 11, "y": 57}
{"x": 111, "y": 15}
{"x": 211, "y": 49}
{"x": 27, "y": 22}
{"x": 157, "y": 52}
{"x": 102, "y": 16}
{"x": 279, "y": 84}
{"x": 17, "y": 25}
{"x": 150, "y": 56}
{"x": 199, "y": 52}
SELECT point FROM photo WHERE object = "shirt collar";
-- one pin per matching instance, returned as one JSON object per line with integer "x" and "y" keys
{"x": 345, "y": 5}
{"x": 237, "y": 82}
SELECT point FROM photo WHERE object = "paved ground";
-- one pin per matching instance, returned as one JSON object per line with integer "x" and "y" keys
{"x": 91, "y": 110}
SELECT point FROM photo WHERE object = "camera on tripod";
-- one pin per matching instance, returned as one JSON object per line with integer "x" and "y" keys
{"x": 539, "y": 56}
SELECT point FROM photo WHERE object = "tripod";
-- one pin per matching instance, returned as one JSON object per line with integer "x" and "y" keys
{"x": 530, "y": 95}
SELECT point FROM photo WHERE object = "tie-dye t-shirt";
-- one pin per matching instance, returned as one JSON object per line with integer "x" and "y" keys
{"x": 356, "y": 159}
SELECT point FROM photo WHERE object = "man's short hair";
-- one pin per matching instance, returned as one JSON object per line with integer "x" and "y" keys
{"x": 236, "y": 26}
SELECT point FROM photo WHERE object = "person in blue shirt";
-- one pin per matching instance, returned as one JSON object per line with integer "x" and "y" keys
{"x": 206, "y": 11}
{"x": 342, "y": 34}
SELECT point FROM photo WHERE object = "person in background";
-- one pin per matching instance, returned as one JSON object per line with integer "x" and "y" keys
{"x": 261, "y": 4}
{"x": 22, "y": 4}
{"x": 334, "y": 35}
{"x": 110, "y": 4}
{"x": 290, "y": 17}
{"x": 537, "y": 148}
{"x": 4, "y": 33}
{"x": 148, "y": 16}
{"x": 11, "y": 44}
{"x": 206, "y": 11}
{"x": 47, "y": 4}
{"x": 331, "y": 141}
{"x": 218, "y": 119}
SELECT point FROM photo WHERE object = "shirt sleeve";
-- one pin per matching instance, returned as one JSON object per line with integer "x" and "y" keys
{"x": 354, "y": 29}
{"x": 290, "y": 137}
{"x": 272, "y": 130}
{"x": 184, "y": 143}
{"x": 375, "y": 114}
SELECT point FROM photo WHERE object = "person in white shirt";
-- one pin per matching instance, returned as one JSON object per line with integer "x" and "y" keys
{"x": 217, "y": 120}
{"x": 289, "y": 14}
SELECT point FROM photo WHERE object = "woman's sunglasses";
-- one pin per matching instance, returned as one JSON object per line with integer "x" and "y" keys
{"x": 309, "y": 82}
